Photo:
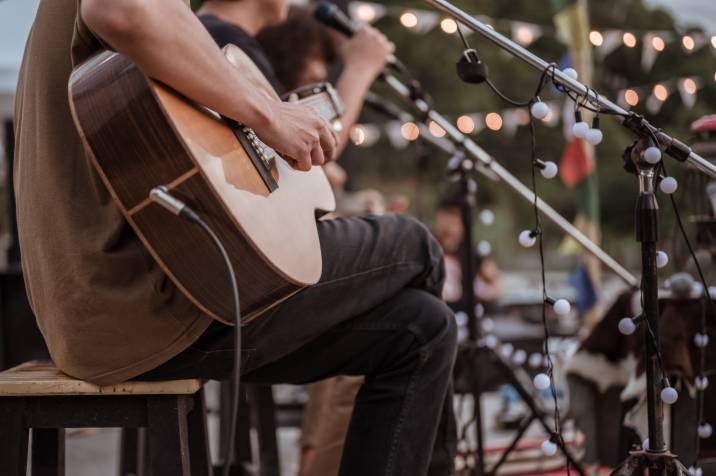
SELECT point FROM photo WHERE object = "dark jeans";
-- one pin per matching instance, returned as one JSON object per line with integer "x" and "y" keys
{"x": 376, "y": 312}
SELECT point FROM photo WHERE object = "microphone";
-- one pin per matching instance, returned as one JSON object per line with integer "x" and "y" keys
{"x": 332, "y": 16}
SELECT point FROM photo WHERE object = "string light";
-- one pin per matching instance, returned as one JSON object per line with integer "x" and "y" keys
{"x": 661, "y": 92}
{"x": 448, "y": 25}
{"x": 466, "y": 124}
{"x": 662, "y": 259}
{"x": 631, "y": 97}
{"x": 689, "y": 86}
{"x": 487, "y": 217}
{"x": 410, "y": 131}
{"x": 493, "y": 121}
{"x": 435, "y": 129}
{"x": 365, "y": 13}
{"x": 540, "y": 110}
{"x": 524, "y": 35}
{"x": 629, "y": 40}
{"x": 409, "y": 20}
{"x": 596, "y": 38}
{"x": 688, "y": 43}
{"x": 357, "y": 135}
{"x": 658, "y": 43}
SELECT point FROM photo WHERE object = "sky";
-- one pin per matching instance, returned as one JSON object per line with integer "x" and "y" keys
{"x": 700, "y": 12}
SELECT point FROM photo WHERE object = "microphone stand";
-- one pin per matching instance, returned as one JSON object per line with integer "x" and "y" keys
{"x": 466, "y": 158}
{"x": 488, "y": 166}
{"x": 656, "y": 458}
{"x": 638, "y": 125}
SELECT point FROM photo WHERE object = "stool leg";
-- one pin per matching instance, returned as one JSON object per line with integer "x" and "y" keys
{"x": 168, "y": 437}
{"x": 263, "y": 407}
{"x": 48, "y": 452}
{"x": 199, "y": 456}
{"x": 13, "y": 436}
{"x": 133, "y": 454}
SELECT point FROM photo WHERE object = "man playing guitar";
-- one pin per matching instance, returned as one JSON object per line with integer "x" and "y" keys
{"x": 109, "y": 313}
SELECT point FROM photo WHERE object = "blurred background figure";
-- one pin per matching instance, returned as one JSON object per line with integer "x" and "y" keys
{"x": 450, "y": 233}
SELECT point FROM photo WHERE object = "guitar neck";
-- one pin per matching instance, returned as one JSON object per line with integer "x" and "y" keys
{"x": 324, "y": 105}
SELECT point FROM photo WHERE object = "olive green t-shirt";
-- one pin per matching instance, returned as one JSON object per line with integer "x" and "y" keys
{"x": 105, "y": 309}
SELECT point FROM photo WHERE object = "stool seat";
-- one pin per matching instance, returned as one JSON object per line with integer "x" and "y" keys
{"x": 43, "y": 378}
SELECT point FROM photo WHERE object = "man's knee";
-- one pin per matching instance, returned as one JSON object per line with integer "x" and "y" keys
{"x": 431, "y": 320}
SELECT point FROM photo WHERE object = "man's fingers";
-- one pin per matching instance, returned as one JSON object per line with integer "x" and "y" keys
{"x": 328, "y": 140}
{"x": 317, "y": 157}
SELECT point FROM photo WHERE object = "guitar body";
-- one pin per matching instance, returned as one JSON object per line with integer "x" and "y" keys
{"x": 140, "y": 134}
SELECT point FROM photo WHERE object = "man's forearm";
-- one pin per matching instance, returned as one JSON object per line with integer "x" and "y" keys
{"x": 352, "y": 87}
{"x": 166, "y": 40}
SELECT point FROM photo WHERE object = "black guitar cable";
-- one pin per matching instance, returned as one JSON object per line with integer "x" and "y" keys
{"x": 162, "y": 196}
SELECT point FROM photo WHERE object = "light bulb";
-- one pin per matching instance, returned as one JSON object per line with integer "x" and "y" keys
{"x": 488, "y": 325}
{"x": 541, "y": 381}
{"x": 652, "y": 155}
{"x": 519, "y": 357}
{"x": 697, "y": 289}
{"x": 535, "y": 360}
{"x": 550, "y": 170}
{"x": 540, "y": 110}
{"x": 701, "y": 382}
{"x": 484, "y": 248}
{"x": 580, "y": 129}
{"x": 712, "y": 292}
{"x": 571, "y": 72}
{"x": 527, "y": 239}
{"x": 627, "y": 326}
{"x": 491, "y": 341}
{"x": 594, "y": 136}
{"x": 669, "y": 395}
{"x": 548, "y": 448}
{"x": 701, "y": 340}
{"x": 695, "y": 471}
{"x": 668, "y": 185}
{"x": 506, "y": 350}
{"x": 705, "y": 430}
{"x": 561, "y": 307}
{"x": 479, "y": 310}
{"x": 487, "y": 217}
{"x": 461, "y": 318}
{"x": 662, "y": 259}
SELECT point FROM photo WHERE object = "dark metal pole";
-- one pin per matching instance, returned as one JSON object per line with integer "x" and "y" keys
{"x": 467, "y": 207}
{"x": 647, "y": 233}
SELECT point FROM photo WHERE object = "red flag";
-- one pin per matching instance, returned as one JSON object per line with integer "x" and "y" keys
{"x": 575, "y": 164}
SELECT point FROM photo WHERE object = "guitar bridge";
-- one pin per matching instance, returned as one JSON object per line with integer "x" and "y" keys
{"x": 261, "y": 155}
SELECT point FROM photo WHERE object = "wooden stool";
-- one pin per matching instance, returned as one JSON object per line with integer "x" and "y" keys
{"x": 37, "y": 396}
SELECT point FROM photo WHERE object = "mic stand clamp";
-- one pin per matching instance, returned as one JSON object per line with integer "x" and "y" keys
{"x": 656, "y": 458}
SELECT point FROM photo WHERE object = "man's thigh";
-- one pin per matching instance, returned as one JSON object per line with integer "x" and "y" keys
{"x": 366, "y": 261}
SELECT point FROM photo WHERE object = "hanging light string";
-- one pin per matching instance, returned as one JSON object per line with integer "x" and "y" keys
{"x": 703, "y": 429}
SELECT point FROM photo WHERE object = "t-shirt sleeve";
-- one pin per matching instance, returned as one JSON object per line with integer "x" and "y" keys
{"x": 84, "y": 41}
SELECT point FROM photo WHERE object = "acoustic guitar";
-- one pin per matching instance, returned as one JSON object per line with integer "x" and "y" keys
{"x": 141, "y": 134}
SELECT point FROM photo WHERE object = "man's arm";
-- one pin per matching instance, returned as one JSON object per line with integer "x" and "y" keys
{"x": 166, "y": 40}
{"x": 364, "y": 56}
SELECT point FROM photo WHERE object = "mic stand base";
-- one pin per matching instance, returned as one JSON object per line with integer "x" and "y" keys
{"x": 471, "y": 352}
{"x": 664, "y": 463}
{"x": 469, "y": 357}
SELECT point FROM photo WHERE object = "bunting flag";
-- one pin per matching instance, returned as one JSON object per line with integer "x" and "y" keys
{"x": 577, "y": 165}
